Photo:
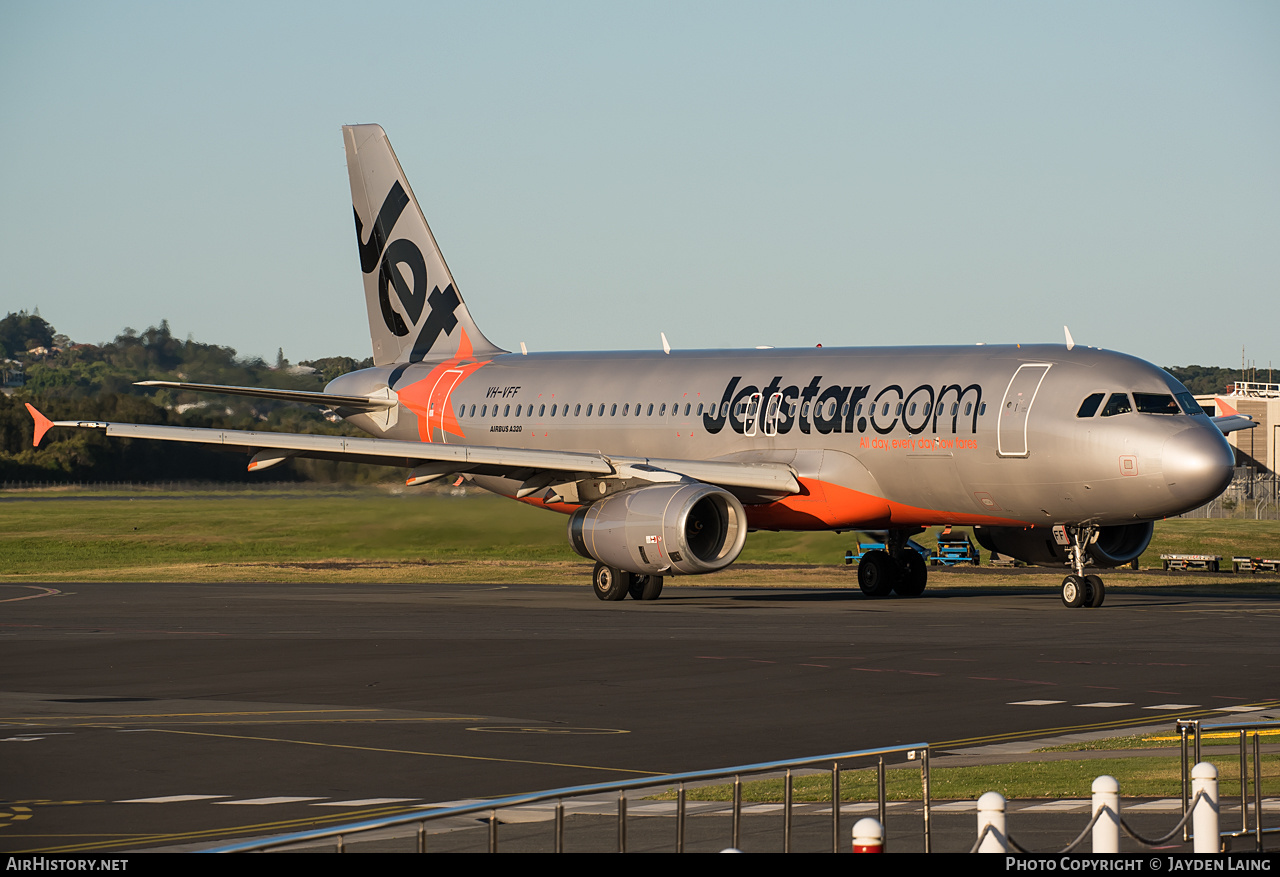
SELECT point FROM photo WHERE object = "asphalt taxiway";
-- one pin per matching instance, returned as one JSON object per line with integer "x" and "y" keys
{"x": 157, "y": 715}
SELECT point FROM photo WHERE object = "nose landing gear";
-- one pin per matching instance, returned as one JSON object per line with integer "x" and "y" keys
{"x": 1079, "y": 589}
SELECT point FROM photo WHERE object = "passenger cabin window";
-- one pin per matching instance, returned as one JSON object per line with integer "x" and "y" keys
{"x": 1155, "y": 403}
{"x": 1089, "y": 406}
{"x": 1117, "y": 404}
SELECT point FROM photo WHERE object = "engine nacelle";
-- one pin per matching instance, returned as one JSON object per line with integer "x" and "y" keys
{"x": 1113, "y": 546}
{"x": 666, "y": 529}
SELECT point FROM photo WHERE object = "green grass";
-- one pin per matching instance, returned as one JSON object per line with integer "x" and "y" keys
{"x": 267, "y": 533}
{"x": 1139, "y": 777}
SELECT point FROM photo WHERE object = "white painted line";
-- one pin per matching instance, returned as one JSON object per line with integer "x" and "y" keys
{"x": 956, "y": 807}
{"x": 1164, "y": 805}
{"x": 259, "y": 801}
{"x": 1056, "y": 806}
{"x": 171, "y": 799}
{"x": 1173, "y": 706}
{"x": 1104, "y": 704}
{"x": 1239, "y": 709}
{"x": 364, "y": 802}
{"x": 1035, "y": 702}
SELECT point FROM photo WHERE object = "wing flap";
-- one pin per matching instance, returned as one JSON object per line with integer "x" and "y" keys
{"x": 764, "y": 477}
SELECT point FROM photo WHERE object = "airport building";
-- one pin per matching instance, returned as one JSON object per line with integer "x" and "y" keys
{"x": 1255, "y": 448}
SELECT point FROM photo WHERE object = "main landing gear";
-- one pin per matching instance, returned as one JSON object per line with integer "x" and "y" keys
{"x": 615, "y": 584}
{"x": 1079, "y": 589}
{"x": 898, "y": 568}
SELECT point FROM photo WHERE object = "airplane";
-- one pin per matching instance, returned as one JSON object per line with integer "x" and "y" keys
{"x": 663, "y": 461}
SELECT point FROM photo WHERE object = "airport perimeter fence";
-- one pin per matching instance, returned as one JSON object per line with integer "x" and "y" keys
{"x": 680, "y": 783}
{"x": 1253, "y": 495}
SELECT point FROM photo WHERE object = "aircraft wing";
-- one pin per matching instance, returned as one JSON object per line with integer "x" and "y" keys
{"x": 325, "y": 400}
{"x": 433, "y": 459}
{"x": 1231, "y": 422}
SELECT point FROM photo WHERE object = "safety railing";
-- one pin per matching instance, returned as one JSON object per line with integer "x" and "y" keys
{"x": 342, "y": 834}
{"x": 1192, "y": 731}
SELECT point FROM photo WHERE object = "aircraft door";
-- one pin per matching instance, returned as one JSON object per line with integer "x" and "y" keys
{"x": 1011, "y": 433}
{"x": 438, "y": 402}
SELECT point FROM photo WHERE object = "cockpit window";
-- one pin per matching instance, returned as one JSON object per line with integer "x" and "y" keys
{"x": 1089, "y": 406}
{"x": 1189, "y": 404}
{"x": 1117, "y": 404}
{"x": 1155, "y": 403}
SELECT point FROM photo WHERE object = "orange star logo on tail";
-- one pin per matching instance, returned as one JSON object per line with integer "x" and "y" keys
{"x": 431, "y": 397}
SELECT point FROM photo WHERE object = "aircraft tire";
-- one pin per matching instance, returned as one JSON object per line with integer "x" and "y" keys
{"x": 610, "y": 584}
{"x": 1073, "y": 592}
{"x": 877, "y": 574}
{"x": 645, "y": 587}
{"x": 1096, "y": 592}
{"x": 915, "y": 575}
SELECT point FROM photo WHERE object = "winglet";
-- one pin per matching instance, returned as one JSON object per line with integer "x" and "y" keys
{"x": 42, "y": 424}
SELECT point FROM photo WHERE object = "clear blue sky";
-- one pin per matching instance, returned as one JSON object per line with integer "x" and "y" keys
{"x": 732, "y": 174}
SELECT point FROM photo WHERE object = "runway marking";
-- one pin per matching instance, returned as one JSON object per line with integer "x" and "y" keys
{"x": 1173, "y": 706}
{"x": 1035, "y": 702}
{"x": 1114, "y": 724}
{"x": 45, "y": 592}
{"x": 171, "y": 799}
{"x": 1003, "y": 679}
{"x": 648, "y": 773}
{"x": 129, "y": 840}
{"x": 365, "y": 802}
{"x": 1104, "y": 704}
{"x": 258, "y": 802}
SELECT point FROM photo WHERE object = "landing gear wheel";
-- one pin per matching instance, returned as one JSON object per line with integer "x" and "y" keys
{"x": 645, "y": 587}
{"x": 1073, "y": 591}
{"x": 915, "y": 575}
{"x": 609, "y": 583}
{"x": 1096, "y": 592}
{"x": 877, "y": 573}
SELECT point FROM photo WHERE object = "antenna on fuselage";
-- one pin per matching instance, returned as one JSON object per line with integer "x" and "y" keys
{"x": 666, "y": 348}
{"x": 1070, "y": 341}
{"x": 524, "y": 351}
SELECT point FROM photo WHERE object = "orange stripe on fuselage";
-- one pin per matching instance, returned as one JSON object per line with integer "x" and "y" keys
{"x": 822, "y": 505}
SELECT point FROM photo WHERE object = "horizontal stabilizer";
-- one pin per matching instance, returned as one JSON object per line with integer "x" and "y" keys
{"x": 324, "y": 400}
{"x": 1231, "y": 422}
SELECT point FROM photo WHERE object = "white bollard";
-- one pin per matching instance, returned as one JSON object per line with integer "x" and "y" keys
{"x": 868, "y": 836}
{"x": 1204, "y": 819}
{"x": 1106, "y": 831}
{"x": 991, "y": 812}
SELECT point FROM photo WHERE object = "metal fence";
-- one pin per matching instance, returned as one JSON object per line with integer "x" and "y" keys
{"x": 1253, "y": 495}
{"x": 344, "y": 833}
{"x": 1192, "y": 732}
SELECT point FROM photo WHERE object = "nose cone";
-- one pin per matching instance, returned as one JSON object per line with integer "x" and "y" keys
{"x": 1197, "y": 465}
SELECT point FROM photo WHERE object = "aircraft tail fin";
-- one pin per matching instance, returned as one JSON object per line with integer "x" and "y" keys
{"x": 415, "y": 310}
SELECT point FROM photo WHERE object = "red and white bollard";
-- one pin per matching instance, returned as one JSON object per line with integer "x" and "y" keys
{"x": 868, "y": 836}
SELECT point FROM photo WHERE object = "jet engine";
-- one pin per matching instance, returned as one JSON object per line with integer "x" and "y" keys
{"x": 688, "y": 528}
{"x": 1114, "y": 546}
